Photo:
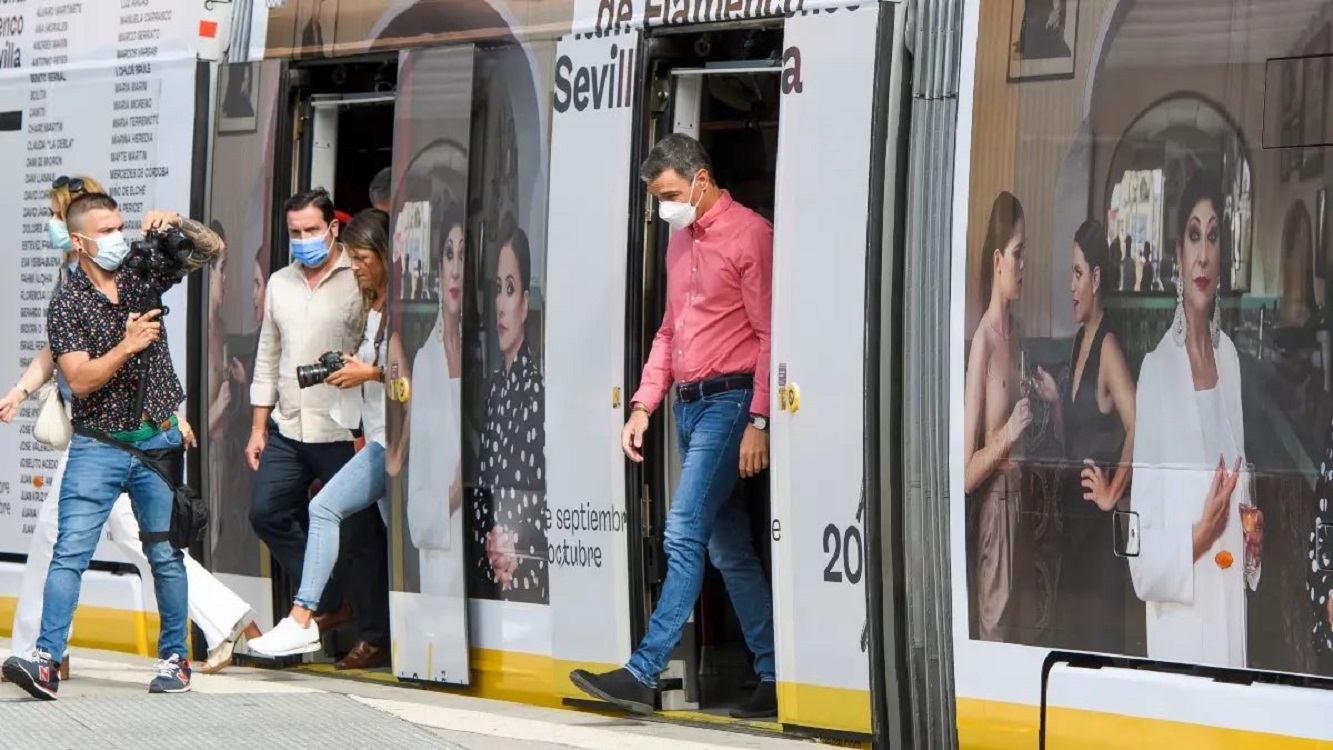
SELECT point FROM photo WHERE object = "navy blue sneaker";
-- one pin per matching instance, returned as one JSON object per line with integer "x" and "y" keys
{"x": 173, "y": 676}
{"x": 38, "y": 676}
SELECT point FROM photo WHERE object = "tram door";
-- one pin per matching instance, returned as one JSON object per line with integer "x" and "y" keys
{"x": 821, "y": 232}
{"x": 721, "y": 85}
{"x": 786, "y": 112}
{"x": 589, "y": 536}
{"x": 436, "y": 251}
{"x": 250, "y": 104}
{"x": 340, "y": 134}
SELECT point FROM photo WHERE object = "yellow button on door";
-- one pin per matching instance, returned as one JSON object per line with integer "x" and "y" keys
{"x": 400, "y": 390}
{"x": 790, "y": 398}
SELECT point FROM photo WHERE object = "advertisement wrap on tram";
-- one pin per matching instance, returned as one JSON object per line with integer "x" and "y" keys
{"x": 1142, "y": 457}
{"x": 494, "y": 103}
{"x": 1140, "y": 402}
{"x": 524, "y": 289}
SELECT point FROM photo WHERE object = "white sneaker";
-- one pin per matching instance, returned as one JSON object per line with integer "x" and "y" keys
{"x": 287, "y": 638}
{"x": 220, "y": 656}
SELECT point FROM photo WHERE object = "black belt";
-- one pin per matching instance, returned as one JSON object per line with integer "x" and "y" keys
{"x": 712, "y": 386}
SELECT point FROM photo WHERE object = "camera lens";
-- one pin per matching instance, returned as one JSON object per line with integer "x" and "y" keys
{"x": 308, "y": 375}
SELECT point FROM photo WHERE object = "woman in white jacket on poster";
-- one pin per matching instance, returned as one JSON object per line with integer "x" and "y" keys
{"x": 1191, "y": 488}
{"x": 433, "y": 426}
{"x": 222, "y": 615}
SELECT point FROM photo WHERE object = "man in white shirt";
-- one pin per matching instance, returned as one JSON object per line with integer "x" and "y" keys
{"x": 311, "y": 307}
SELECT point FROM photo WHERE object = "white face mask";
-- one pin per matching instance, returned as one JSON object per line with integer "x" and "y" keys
{"x": 111, "y": 251}
{"x": 681, "y": 215}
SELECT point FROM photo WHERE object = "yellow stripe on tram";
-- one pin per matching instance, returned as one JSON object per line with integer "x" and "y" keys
{"x": 994, "y": 725}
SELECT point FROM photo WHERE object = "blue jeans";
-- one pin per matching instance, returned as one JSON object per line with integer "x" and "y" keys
{"x": 705, "y": 514}
{"x": 357, "y": 486}
{"x": 95, "y": 476}
{"x": 280, "y": 515}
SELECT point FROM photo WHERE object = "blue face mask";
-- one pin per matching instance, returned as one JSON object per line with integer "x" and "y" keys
{"x": 311, "y": 252}
{"x": 111, "y": 251}
{"x": 58, "y": 234}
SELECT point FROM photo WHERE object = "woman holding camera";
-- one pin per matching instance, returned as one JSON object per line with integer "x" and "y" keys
{"x": 361, "y": 482}
{"x": 220, "y": 613}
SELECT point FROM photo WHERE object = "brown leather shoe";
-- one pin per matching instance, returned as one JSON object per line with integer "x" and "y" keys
{"x": 333, "y": 620}
{"x": 364, "y": 656}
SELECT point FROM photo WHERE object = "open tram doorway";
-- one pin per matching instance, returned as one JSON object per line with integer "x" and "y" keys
{"x": 721, "y": 85}
{"x": 337, "y": 135}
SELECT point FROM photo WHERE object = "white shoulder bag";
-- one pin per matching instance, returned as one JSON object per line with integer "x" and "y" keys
{"x": 53, "y": 427}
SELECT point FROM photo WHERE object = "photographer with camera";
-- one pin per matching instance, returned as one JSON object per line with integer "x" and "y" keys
{"x": 313, "y": 307}
{"x": 218, "y": 611}
{"x": 105, "y": 332}
{"x": 361, "y": 483}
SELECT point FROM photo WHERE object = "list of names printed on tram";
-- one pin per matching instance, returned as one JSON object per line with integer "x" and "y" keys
{"x": 49, "y": 143}
{"x": 143, "y": 26}
{"x": 103, "y": 88}
{"x": 55, "y": 25}
{"x": 101, "y": 123}
{"x": 135, "y": 116}
{"x": 56, "y": 33}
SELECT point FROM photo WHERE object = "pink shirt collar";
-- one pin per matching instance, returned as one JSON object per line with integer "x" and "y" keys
{"x": 713, "y": 215}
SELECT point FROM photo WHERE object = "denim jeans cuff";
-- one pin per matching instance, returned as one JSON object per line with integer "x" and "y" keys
{"x": 306, "y": 604}
{"x": 632, "y": 673}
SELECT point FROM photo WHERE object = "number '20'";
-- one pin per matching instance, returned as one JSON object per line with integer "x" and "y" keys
{"x": 838, "y": 544}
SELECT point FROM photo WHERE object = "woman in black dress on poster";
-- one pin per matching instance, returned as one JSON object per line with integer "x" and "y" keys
{"x": 1095, "y": 420}
{"x": 509, "y": 498}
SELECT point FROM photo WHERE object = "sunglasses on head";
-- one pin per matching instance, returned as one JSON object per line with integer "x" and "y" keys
{"x": 74, "y": 184}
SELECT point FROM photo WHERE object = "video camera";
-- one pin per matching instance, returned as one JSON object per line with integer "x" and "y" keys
{"x": 165, "y": 252}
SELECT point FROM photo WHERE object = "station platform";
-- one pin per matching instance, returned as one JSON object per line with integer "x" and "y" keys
{"x": 106, "y": 705}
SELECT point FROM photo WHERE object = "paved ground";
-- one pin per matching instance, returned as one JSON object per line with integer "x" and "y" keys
{"x": 106, "y": 705}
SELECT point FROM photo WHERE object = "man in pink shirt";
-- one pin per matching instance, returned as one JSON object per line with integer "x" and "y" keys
{"x": 714, "y": 346}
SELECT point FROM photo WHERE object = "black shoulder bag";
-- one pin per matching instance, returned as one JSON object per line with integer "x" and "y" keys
{"x": 189, "y": 513}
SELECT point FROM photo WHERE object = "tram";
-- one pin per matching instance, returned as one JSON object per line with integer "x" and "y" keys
{"x": 978, "y": 533}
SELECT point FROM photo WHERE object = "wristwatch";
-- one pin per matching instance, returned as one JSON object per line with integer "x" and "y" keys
{"x": 759, "y": 422}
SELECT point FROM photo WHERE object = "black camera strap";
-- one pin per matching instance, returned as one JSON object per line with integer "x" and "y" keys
{"x": 159, "y": 460}
{"x": 379, "y": 334}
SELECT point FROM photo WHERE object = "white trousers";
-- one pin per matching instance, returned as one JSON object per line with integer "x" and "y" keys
{"x": 216, "y": 609}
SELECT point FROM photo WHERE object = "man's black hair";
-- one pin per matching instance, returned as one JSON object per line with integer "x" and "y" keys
{"x": 318, "y": 197}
